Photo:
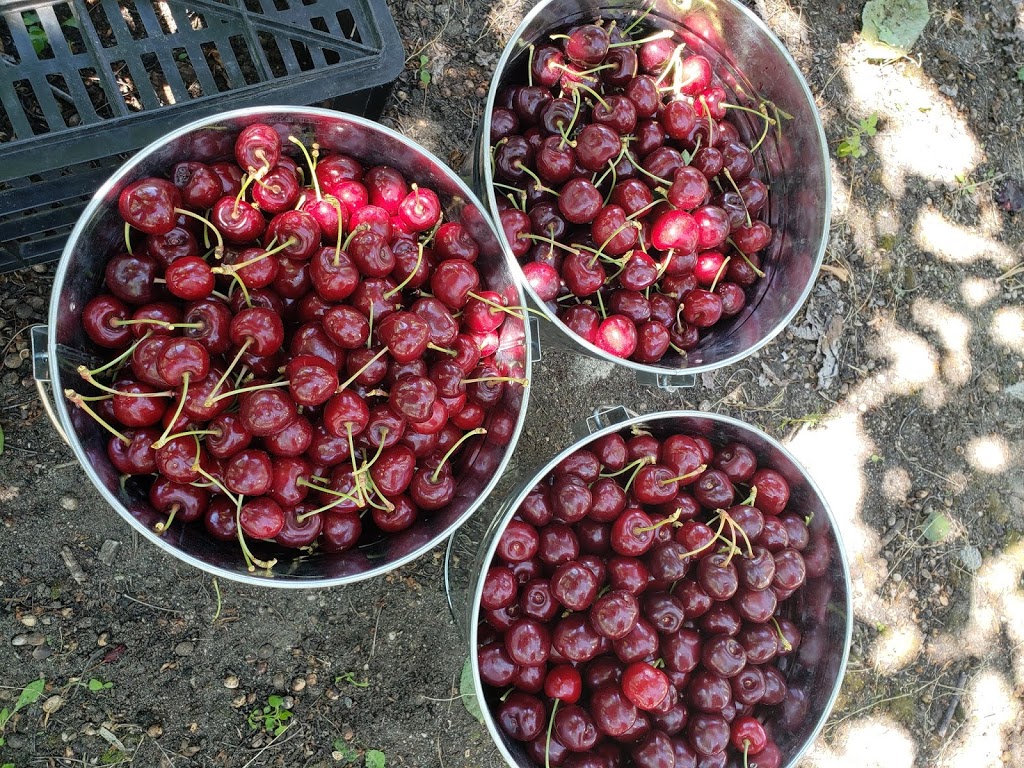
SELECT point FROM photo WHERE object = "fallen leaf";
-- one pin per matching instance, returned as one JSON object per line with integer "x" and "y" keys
{"x": 937, "y": 528}
{"x": 897, "y": 23}
{"x": 468, "y": 691}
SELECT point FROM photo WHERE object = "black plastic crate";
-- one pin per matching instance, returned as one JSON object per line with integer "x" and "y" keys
{"x": 84, "y": 83}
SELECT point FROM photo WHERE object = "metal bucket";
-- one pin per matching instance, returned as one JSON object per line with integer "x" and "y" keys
{"x": 751, "y": 64}
{"x": 822, "y": 608}
{"x": 60, "y": 347}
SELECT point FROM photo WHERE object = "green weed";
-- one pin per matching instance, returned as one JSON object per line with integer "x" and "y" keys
{"x": 273, "y": 718}
{"x": 851, "y": 145}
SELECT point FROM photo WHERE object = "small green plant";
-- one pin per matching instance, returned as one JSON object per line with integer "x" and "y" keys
{"x": 350, "y": 678}
{"x": 96, "y": 685}
{"x": 345, "y": 752}
{"x": 811, "y": 420}
{"x": 28, "y": 696}
{"x": 424, "y": 70}
{"x": 1, "y": 453}
{"x": 851, "y": 145}
{"x": 1020, "y": 74}
{"x": 375, "y": 759}
{"x": 36, "y": 33}
{"x": 273, "y": 718}
{"x": 113, "y": 756}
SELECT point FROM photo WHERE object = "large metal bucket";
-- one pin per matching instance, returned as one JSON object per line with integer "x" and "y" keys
{"x": 80, "y": 275}
{"x": 822, "y": 608}
{"x": 752, "y": 65}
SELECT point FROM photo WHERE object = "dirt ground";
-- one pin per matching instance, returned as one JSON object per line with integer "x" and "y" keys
{"x": 900, "y": 386}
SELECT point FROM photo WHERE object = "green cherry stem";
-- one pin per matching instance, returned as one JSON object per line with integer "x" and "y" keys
{"x": 224, "y": 376}
{"x": 75, "y": 398}
{"x": 162, "y": 526}
{"x": 312, "y": 164}
{"x": 662, "y": 35}
{"x": 720, "y": 273}
{"x": 177, "y": 413}
{"x": 437, "y": 471}
{"x": 410, "y": 276}
{"x": 547, "y": 741}
{"x": 687, "y": 476}
{"x": 357, "y": 374}
{"x": 218, "y": 252}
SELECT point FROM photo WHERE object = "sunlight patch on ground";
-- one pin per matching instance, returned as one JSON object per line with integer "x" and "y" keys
{"x": 955, "y": 332}
{"x": 914, "y": 366}
{"x": 977, "y": 291}
{"x": 897, "y": 484}
{"x": 989, "y": 454}
{"x": 960, "y": 245}
{"x": 920, "y": 133}
{"x": 993, "y": 709}
{"x": 896, "y": 648}
{"x": 1007, "y": 328}
{"x": 834, "y": 453}
{"x": 997, "y": 605}
{"x": 871, "y": 742}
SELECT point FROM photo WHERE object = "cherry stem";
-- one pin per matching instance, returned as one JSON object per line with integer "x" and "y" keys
{"x": 639, "y": 464}
{"x": 540, "y": 183}
{"x": 687, "y": 476}
{"x": 611, "y": 169}
{"x": 128, "y": 238}
{"x": 750, "y": 264}
{"x": 751, "y": 498}
{"x": 177, "y": 412}
{"x": 312, "y": 164}
{"x": 385, "y": 503}
{"x": 732, "y": 183}
{"x": 600, "y": 305}
{"x": 357, "y": 374}
{"x": 253, "y": 388}
{"x": 437, "y": 471}
{"x": 218, "y": 252}
{"x": 75, "y": 398}
{"x": 443, "y": 350}
{"x": 355, "y": 470}
{"x": 720, "y": 273}
{"x": 663, "y": 35}
{"x": 497, "y": 306}
{"x": 764, "y": 134}
{"x": 746, "y": 749}
{"x": 641, "y": 461}
{"x": 551, "y": 241}
{"x": 673, "y": 66}
{"x": 341, "y": 498}
{"x": 655, "y": 526}
{"x": 251, "y": 561}
{"x": 721, "y": 525}
{"x": 224, "y": 376}
{"x": 230, "y": 269}
{"x": 163, "y": 525}
{"x": 529, "y": 65}
{"x": 410, "y": 276}
{"x": 348, "y": 240}
{"x": 197, "y": 432}
{"x": 786, "y": 645}
{"x": 514, "y": 380}
{"x": 650, "y": 175}
{"x": 737, "y": 527}
{"x": 600, "y": 251}
{"x": 639, "y": 19}
{"x": 87, "y": 375}
{"x": 365, "y": 467}
{"x": 547, "y": 741}
{"x": 595, "y": 94}
{"x": 369, "y": 336}
{"x": 120, "y": 358}
{"x": 584, "y": 72}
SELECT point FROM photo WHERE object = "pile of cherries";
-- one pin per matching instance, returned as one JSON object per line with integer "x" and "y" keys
{"x": 630, "y": 200}
{"x": 296, "y": 353}
{"x": 634, "y": 613}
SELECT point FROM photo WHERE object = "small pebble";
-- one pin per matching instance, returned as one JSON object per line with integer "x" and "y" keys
{"x": 278, "y": 680}
{"x": 13, "y": 360}
{"x": 184, "y": 648}
{"x": 109, "y": 551}
{"x": 29, "y": 620}
{"x": 155, "y": 731}
{"x": 70, "y": 503}
{"x": 42, "y": 652}
{"x": 231, "y": 681}
{"x": 266, "y": 651}
{"x": 238, "y": 701}
{"x": 298, "y": 684}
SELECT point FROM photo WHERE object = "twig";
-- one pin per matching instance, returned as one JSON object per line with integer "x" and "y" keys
{"x": 273, "y": 743}
{"x": 951, "y": 709}
{"x": 216, "y": 588}
{"x": 150, "y": 605}
{"x": 373, "y": 645}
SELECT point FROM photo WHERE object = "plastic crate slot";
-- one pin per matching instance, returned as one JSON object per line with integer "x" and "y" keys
{"x": 319, "y": 23}
{"x": 40, "y": 30}
{"x": 10, "y": 57}
{"x": 131, "y": 21}
{"x": 246, "y": 67}
{"x": 304, "y": 56}
{"x": 165, "y": 18}
{"x": 215, "y": 62}
{"x": 70, "y": 28}
{"x": 159, "y": 84}
{"x": 348, "y": 26}
{"x": 187, "y": 72}
{"x": 100, "y": 26}
{"x": 281, "y": 5}
{"x": 278, "y": 66}
{"x": 69, "y": 113}
{"x": 253, "y": 6}
{"x": 127, "y": 91}
{"x": 30, "y": 112}
{"x": 95, "y": 93}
